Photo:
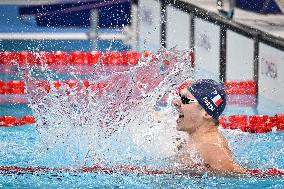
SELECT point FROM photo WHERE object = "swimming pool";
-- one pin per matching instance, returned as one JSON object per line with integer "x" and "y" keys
{"x": 18, "y": 149}
{"x": 66, "y": 144}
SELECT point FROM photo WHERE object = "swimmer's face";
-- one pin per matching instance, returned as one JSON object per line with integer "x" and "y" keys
{"x": 190, "y": 112}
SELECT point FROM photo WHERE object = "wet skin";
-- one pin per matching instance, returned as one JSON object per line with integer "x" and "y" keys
{"x": 204, "y": 142}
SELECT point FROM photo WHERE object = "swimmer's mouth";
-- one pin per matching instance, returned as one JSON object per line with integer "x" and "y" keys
{"x": 181, "y": 116}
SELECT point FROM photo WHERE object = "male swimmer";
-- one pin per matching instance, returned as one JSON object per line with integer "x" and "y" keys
{"x": 206, "y": 149}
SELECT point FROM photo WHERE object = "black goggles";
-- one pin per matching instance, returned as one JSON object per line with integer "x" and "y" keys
{"x": 186, "y": 100}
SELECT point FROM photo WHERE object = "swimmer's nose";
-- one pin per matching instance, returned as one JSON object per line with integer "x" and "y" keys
{"x": 176, "y": 102}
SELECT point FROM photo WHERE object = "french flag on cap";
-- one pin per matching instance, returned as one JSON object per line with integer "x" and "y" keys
{"x": 217, "y": 100}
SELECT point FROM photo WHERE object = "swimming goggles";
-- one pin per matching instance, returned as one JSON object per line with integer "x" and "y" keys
{"x": 186, "y": 100}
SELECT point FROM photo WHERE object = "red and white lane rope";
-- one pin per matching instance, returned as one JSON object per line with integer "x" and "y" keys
{"x": 75, "y": 58}
{"x": 253, "y": 123}
{"x": 14, "y": 87}
{"x": 95, "y": 168}
{"x": 9, "y": 121}
{"x": 269, "y": 172}
{"x": 246, "y": 123}
{"x": 247, "y": 87}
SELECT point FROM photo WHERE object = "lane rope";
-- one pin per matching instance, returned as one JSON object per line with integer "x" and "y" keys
{"x": 253, "y": 123}
{"x": 247, "y": 87}
{"x": 92, "y": 169}
{"x": 245, "y": 123}
{"x": 97, "y": 168}
{"x": 75, "y": 58}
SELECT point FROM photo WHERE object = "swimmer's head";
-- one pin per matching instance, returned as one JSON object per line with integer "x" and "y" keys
{"x": 210, "y": 94}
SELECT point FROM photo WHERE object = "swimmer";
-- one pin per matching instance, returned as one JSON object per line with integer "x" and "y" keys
{"x": 206, "y": 149}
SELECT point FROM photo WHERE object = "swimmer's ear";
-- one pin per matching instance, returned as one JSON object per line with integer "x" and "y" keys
{"x": 206, "y": 115}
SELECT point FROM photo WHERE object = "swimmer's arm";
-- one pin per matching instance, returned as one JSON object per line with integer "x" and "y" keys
{"x": 220, "y": 161}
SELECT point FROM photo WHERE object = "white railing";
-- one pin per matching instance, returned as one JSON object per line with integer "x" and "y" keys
{"x": 62, "y": 36}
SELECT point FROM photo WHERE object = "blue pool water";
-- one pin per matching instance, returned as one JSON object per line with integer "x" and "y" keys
{"x": 18, "y": 143}
{"x": 18, "y": 146}
{"x": 64, "y": 145}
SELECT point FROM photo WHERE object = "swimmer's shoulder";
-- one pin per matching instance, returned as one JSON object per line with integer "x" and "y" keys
{"x": 214, "y": 140}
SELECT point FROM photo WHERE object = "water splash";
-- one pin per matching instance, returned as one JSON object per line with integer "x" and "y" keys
{"x": 129, "y": 120}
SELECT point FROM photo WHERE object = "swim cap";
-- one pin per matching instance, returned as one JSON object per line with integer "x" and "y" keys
{"x": 210, "y": 95}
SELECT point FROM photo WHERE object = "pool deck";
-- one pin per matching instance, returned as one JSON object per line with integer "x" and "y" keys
{"x": 272, "y": 24}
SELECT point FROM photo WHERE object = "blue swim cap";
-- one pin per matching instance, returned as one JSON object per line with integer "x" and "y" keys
{"x": 210, "y": 94}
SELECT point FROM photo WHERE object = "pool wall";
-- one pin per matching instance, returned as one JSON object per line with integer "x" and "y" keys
{"x": 225, "y": 49}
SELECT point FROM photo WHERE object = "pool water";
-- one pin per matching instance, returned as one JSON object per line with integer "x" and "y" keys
{"x": 72, "y": 136}
{"x": 91, "y": 180}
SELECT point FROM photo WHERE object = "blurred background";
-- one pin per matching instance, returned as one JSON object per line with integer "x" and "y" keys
{"x": 75, "y": 25}
{"x": 229, "y": 40}
{"x": 64, "y": 25}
